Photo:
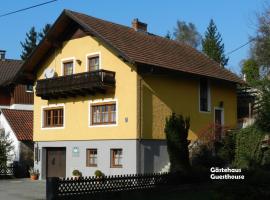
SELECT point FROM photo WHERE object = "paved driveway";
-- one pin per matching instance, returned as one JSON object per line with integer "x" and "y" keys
{"x": 17, "y": 189}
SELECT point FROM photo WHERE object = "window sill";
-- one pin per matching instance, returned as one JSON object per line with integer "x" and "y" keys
{"x": 91, "y": 165}
{"x": 102, "y": 125}
{"x": 120, "y": 166}
{"x": 50, "y": 128}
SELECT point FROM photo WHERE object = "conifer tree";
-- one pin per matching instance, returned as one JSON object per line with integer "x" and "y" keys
{"x": 32, "y": 39}
{"x": 212, "y": 44}
{"x": 44, "y": 31}
{"x": 29, "y": 44}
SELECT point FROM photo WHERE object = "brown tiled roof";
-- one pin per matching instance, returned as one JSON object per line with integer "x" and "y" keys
{"x": 8, "y": 70}
{"x": 21, "y": 122}
{"x": 135, "y": 47}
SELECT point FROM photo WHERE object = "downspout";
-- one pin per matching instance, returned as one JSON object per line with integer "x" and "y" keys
{"x": 140, "y": 122}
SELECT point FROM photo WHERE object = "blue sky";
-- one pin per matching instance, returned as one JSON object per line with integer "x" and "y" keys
{"x": 235, "y": 19}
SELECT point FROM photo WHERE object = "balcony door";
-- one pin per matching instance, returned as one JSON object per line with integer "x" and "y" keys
{"x": 93, "y": 63}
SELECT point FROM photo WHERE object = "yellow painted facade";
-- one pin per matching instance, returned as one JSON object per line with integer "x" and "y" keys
{"x": 145, "y": 119}
{"x": 163, "y": 95}
{"x": 76, "y": 110}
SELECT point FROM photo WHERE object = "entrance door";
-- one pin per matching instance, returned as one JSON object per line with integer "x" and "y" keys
{"x": 218, "y": 123}
{"x": 56, "y": 162}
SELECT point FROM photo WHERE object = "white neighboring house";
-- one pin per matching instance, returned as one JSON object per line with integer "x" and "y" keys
{"x": 18, "y": 124}
{"x": 16, "y": 113}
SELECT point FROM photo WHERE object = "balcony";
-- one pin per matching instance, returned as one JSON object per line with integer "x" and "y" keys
{"x": 81, "y": 84}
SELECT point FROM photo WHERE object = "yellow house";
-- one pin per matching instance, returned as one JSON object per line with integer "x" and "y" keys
{"x": 104, "y": 90}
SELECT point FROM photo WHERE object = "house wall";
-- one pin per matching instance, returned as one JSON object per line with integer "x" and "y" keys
{"x": 78, "y": 161}
{"x": 162, "y": 95}
{"x": 21, "y": 96}
{"x": 4, "y": 97}
{"x": 77, "y": 109}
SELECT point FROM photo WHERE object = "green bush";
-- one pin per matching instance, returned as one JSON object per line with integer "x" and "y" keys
{"x": 226, "y": 151}
{"x": 76, "y": 173}
{"x": 176, "y": 129}
{"x": 248, "y": 153}
{"x": 99, "y": 173}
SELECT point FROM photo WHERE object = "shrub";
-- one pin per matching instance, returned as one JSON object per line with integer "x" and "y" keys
{"x": 248, "y": 153}
{"x": 76, "y": 173}
{"x": 99, "y": 173}
{"x": 176, "y": 129}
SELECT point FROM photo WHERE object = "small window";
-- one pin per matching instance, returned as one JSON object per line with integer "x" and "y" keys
{"x": 116, "y": 158}
{"x": 91, "y": 157}
{"x": 93, "y": 63}
{"x": 29, "y": 88}
{"x": 204, "y": 96}
{"x": 53, "y": 117}
{"x": 68, "y": 68}
{"x": 103, "y": 113}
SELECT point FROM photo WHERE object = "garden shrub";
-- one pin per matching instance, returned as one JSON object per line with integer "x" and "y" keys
{"x": 176, "y": 129}
{"x": 248, "y": 153}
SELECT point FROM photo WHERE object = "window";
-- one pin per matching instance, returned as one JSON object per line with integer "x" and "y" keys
{"x": 68, "y": 68}
{"x": 93, "y": 63}
{"x": 53, "y": 117}
{"x": 116, "y": 157}
{"x": 91, "y": 157}
{"x": 204, "y": 96}
{"x": 103, "y": 113}
{"x": 29, "y": 88}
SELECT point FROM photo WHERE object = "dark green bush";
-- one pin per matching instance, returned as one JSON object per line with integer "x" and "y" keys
{"x": 176, "y": 129}
{"x": 248, "y": 153}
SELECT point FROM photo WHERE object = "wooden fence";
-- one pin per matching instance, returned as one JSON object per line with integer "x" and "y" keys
{"x": 87, "y": 187}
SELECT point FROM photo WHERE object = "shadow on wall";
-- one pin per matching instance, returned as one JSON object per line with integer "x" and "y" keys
{"x": 154, "y": 155}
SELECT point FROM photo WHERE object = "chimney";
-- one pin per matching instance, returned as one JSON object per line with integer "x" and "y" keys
{"x": 139, "y": 26}
{"x": 2, "y": 55}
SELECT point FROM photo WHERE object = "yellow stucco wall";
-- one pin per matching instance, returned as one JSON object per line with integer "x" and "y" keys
{"x": 162, "y": 95}
{"x": 77, "y": 109}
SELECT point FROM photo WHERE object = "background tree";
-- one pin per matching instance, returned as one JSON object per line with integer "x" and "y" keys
{"x": 176, "y": 129}
{"x": 29, "y": 44}
{"x": 260, "y": 48}
{"x": 187, "y": 33}
{"x": 250, "y": 69}
{"x": 32, "y": 39}
{"x": 6, "y": 148}
{"x": 212, "y": 44}
{"x": 44, "y": 31}
{"x": 168, "y": 35}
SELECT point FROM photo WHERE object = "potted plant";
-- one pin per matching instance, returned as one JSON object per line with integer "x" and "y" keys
{"x": 76, "y": 174}
{"x": 99, "y": 175}
{"x": 34, "y": 173}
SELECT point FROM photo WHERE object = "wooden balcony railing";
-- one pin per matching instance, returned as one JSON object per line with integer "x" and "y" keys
{"x": 81, "y": 84}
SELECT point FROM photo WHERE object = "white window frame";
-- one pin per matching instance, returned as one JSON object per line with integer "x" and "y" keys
{"x": 29, "y": 91}
{"x": 42, "y": 116}
{"x": 209, "y": 97}
{"x": 73, "y": 59}
{"x": 93, "y": 102}
{"x": 94, "y": 54}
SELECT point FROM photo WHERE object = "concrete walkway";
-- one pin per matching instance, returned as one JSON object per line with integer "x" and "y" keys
{"x": 22, "y": 189}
